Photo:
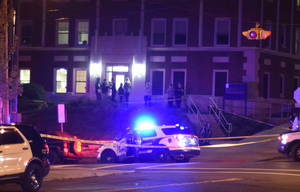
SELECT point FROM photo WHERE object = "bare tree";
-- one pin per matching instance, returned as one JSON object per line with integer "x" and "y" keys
{"x": 10, "y": 86}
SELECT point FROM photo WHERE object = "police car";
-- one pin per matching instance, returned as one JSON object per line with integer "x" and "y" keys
{"x": 159, "y": 143}
{"x": 289, "y": 144}
{"x": 23, "y": 157}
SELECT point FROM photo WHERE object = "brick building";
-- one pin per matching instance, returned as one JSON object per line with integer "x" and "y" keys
{"x": 66, "y": 44}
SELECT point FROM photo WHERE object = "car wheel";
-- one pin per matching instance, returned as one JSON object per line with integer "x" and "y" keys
{"x": 296, "y": 152}
{"x": 184, "y": 160}
{"x": 162, "y": 156}
{"x": 33, "y": 178}
{"x": 201, "y": 136}
{"x": 108, "y": 157}
{"x": 208, "y": 135}
{"x": 53, "y": 157}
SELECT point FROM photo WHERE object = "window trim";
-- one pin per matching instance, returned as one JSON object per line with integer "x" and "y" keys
{"x": 56, "y": 33}
{"x": 54, "y": 79}
{"x": 152, "y": 31}
{"x": 173, "y": 32}
{"x": 113, "y": 29}
{"x": 75, "y": 81}
{"x": 76, "y": 32}
{"x": 215, "y": 31}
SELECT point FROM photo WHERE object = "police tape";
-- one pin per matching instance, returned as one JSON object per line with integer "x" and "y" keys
{"x": 123, "y": 144}
{"x": 239, "y": 137}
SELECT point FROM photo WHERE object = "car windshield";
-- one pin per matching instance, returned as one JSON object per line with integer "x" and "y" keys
{"x": 175, "y": 131}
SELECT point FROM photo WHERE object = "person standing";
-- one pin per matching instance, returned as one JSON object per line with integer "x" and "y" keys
{"x": 121, "y": 92}
{"x": 170, "y": 92}
{"x": 98, "y": 89}
{"x": 178, "y": 95}
{"x": 113, "y": 89}
{"x": 295, "y": 122}
{"x": 104, "y": 89}
{"x": 147, "y": 96}
{"x": 127, "y": 89}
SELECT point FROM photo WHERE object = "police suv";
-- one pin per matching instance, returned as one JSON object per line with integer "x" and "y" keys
{"x": 289, "y": 143}
{"x": 159, "y": 143}
{"x": 23, "y": 157}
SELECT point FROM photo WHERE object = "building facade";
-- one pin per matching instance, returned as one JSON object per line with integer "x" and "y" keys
{"x": 66, "y": 44}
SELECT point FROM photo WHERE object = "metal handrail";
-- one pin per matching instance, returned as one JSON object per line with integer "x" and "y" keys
{"x": 218, "y": 113}
{"x": 197, "y": 113}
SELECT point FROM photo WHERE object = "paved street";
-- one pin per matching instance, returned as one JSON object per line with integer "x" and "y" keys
{"x": 249, "y": 167}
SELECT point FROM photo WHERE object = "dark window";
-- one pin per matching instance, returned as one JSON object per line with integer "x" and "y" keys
{"x": 222, "y": 32}
{"x": 266, "y": 86}
{"x": 220, "y": 79}
{"x": 175, "y": 131}
{"x": 10, "y": 136}
{"x": 159, "y": 32}
{"x": 148, "y": 133}
{"x": 178, "y": 77}
{"x": 180, "y": 32}
{"x": 157, "y": 82}
{"x": 26, "y": 32}
{"x": 296, "y": 83}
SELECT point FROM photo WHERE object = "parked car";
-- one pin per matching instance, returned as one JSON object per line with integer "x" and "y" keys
{"x": 159, "y": 143}
{"x": 62, "y": 151}
{"x": 289, "y": 144}
{"x": 23, "y": 157}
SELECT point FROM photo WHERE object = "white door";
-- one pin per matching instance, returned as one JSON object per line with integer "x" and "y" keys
{"x": 15, "y": 153}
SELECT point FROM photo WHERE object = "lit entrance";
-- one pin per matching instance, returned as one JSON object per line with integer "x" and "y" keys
{"x": 119, "y": 72}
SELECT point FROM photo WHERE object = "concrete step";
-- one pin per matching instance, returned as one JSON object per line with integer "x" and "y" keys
{"x": 215, "y": 127}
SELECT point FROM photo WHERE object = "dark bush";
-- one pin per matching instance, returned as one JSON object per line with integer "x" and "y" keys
{"x": 33, "y": 91}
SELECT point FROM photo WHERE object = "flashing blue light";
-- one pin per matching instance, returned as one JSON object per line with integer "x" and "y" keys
{"x": 145, "y": 125}
{"x": 181, "y": 127}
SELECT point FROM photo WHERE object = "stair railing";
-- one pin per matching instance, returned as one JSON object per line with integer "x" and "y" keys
{"x": 194, "y": 109}
{"x": 220, "y": 117}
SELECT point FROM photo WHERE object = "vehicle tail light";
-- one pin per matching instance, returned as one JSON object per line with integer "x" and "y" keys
{"x": 46, "y": 147}
{"x": 66, "y": 150}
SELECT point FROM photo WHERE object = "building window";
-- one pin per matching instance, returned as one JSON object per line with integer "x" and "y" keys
{"x": 61, "y": 80}
{"x": 158, "y": 32}
{"x": 222, "y": 31}
{"x": 281, "y": 84}
{"x": 26, "y": 33}
{"x": 120, "y": 27}
{"x": 268, "y": 40}
{"x": 296, "y": 83}
{"x": 297, "y": 41}
{"x": 80, "y": 80}
{"x": 63, "y": 32}
{"x": 180, "y": 31}
{"x": 82, "y": 27}
{"x": 25, "y": 76}
{"x": 283, "y": 35}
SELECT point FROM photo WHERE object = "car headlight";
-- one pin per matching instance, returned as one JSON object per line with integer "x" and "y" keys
{"x": 284, "y": 139}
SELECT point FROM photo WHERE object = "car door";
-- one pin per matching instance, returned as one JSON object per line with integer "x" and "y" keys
{"x": 15, "y": 151}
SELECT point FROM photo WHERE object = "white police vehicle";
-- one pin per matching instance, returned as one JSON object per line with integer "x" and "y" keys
{"x": 159, "y": 143}
{"x": 23, "y": 157}
{"x": 289, "y": 144}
